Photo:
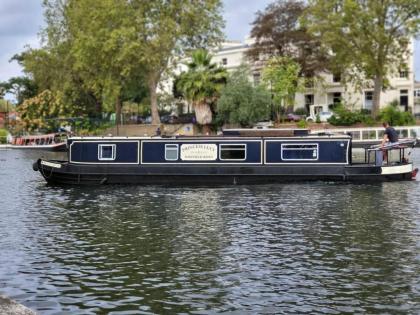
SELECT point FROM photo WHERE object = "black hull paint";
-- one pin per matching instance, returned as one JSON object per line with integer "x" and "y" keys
{"x": 62, "y": 147}
{"x": 71, "y": 174}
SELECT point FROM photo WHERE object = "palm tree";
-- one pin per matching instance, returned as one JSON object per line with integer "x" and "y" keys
{"x": 201, "y": 85}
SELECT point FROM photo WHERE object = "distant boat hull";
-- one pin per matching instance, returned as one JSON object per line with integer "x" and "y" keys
{"x": 62, "y": 172}
{"x": 56, "y": 147}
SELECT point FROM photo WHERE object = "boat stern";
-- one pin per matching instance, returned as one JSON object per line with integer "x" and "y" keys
{"x": 406, "y": 171}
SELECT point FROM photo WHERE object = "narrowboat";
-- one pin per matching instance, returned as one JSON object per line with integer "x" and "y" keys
{"x": 48, "y": 142}
{"x": 236, "y": 157}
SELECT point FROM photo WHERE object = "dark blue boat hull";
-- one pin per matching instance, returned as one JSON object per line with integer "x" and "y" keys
{"x": 71, "y": 174}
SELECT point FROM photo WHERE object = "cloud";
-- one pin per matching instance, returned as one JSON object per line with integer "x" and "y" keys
{"x": 239, "y": 14}
{"x": 20, "y": 23}
{"x": 20, "y": 17}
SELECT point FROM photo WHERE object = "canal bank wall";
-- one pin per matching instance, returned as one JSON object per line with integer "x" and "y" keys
{"x": 10, "y": 307}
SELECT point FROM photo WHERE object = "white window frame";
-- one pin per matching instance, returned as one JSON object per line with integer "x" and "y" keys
{"x": 364, "y": 99}
{"x": 114, "y": 151}
{"x": 233, "y": 144}
{"x": 172, "y": 146}
{"x": 284, "y": 148}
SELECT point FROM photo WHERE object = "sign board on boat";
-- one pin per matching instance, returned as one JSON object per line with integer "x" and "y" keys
{"x": 199, "y": 152}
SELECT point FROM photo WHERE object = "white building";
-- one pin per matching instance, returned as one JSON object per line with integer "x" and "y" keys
{"x": 331, "y": 90}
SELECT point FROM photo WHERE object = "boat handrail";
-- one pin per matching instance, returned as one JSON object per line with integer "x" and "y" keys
{"x": 373, "y": 133}
{"x": 403, "y": 144}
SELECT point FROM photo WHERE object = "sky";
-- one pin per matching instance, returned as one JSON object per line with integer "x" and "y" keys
{"x": 22, "y": 20}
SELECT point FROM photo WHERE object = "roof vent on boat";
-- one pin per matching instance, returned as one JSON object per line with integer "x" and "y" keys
{"x": 269, "y": 132}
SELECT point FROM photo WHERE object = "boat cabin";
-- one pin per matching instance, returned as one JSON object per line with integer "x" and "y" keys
{"x": 231, "y": 148}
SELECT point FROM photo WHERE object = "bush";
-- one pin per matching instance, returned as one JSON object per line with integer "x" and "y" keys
{"x": 345, "y": 117}
{"x": 395, "y": 117}
{"x": 3, "y": 136}
{"x": 242, "y": 103}
{"x": 301, "y": 111}
{"x": 302, "y": 124}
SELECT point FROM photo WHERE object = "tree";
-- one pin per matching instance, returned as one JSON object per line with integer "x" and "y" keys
{"x": 104, "y": 46}
{"x": 369, "y": 39}
{"x": 241, "y": 102}
{"x": 173, "y": 28}
{"x": 201, "y": 85}
{"x": 278, "y": 32}
{"x": 115, "y": 38}
{"x": 281, "y": 76}
{"x": 42, "y": 111}
{"x": 21, "y": 87}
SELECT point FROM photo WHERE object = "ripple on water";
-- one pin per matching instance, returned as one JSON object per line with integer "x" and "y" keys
{"x": 293, "y": 248}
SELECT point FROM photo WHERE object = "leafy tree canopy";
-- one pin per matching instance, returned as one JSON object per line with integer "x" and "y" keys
{"x": 201, "y": 84}
{"x": 42, "y": 111}
{"x": 21, "y": 87}
{"x": 281, "y": 77}
{"x": 241, "y": 102}
{"x": 369, "y": 39}
{"x": 278, "y": 32}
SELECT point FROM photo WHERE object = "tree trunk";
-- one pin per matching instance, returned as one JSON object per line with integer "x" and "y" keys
{"x": 203, "y": 113}
{"x": 153, "y": 101}
{"x": 378, "y": 81}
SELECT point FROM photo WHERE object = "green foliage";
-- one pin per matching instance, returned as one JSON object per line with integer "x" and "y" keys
{"x": 6, "y": 106}
{"x": 118, "y": 38}
{"x": 278, "y": 31}
{"x": 99, "y": 54}
{"x": 395, "y": 117}
{"x": 301, "y": 111}
{"x": 241, "y": 102}
{"x": 202, "y": 84}
{"x": 302, "y": 124}
{"x": 281, "y": 77}
{"x": 369, "y": 38}
{"x": 21, "y": 87}
{"x": 43, "y": 111}
{"x": 318, "y": 119}
{"x": 344, "y": 117}
{"x": 3, "y": 136}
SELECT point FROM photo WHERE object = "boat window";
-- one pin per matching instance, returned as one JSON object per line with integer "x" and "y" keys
{"x": 171, "y": 152}
{"x": 297, "y": 151}
{"x": 106, "y": 152}
{"x": 235, "y": 152}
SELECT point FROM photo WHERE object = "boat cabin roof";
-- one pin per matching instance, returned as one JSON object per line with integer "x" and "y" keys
{"x": 221, "y": 137}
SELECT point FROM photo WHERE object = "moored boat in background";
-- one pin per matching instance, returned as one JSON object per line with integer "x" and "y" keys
{"x": 49, "y": 142}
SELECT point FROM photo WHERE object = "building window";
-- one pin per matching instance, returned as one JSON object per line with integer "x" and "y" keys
{"x": 299, "y": 152}
{"x": 368, "y": 100}
{"x": 404, "y": 74}
{"x": 337, "y": 98}
{"x": 417, "y": 93}
{"x": 224, "y": 61}
{"x": 232, "y": 152}
{"x": 257, "y": 78}
{"x": 404, "y": 99}
{"x": 171, "y": 152}
{"x": 309, "y": 100}
{"x": 106, "y": 152}
{"x": 336, "y": 77}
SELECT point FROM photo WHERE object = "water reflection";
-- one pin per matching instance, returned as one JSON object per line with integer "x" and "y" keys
{"x": 295, "y": 248}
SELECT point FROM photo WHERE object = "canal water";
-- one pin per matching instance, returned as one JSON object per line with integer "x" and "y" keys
{"x": 297, "y": 248}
